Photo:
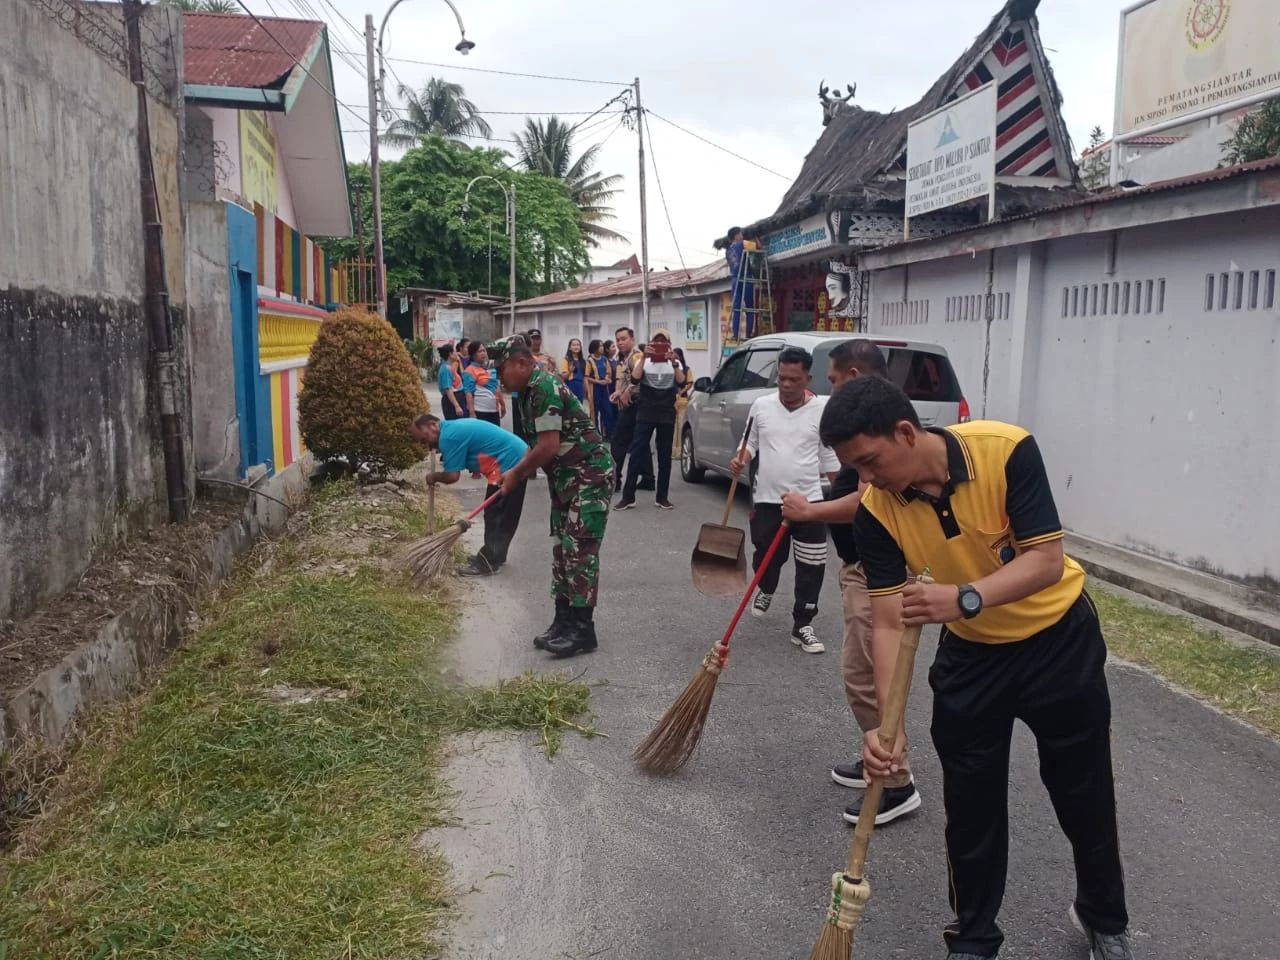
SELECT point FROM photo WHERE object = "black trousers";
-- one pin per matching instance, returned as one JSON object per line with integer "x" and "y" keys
{"x": 517, "y": 421}
{"x": 810, "y": 544}
{"x": 490, "y": 416}
{"x": 623, "y": 434}
{"x": 640, "y": 453}
{"x": 501, "y": 518}
{"x": 1053, "y": 682}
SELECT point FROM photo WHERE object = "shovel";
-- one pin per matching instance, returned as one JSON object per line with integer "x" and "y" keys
{"x": 719, "y": 561}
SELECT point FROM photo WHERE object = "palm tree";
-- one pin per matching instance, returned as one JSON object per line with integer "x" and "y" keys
{"x": 548, "y": 149}
{"x": 440, "y": 109}
{"x": 206, "y": 6}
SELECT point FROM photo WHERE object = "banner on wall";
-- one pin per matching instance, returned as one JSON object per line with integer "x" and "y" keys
{"x": 446, "y": 326}
{"x": 258, "y": 161}
{"x": 695, "y": 325}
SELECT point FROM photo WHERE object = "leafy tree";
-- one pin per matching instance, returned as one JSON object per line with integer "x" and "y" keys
{"x": 548, "y": 148}
{"x": 1256, "y": 138}
{"x": 440, "y": 109}
{"x": 427, "y": 243}
{"x": 1096, "y": 172}
{"x": 360, "y": 394}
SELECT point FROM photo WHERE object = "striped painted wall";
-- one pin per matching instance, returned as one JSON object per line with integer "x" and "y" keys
{"x": 1023, "y": 145}
{"x": 290, "y": 265}
{"x": 287, "y": 445}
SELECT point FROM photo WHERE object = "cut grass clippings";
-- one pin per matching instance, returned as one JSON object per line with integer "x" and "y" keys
{"x": 209, "y": 820}
{"x": 1242, "y": 679}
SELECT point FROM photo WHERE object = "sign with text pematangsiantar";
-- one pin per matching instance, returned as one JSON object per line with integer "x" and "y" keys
{"x": 1181, "y": 58}
{"x": 951, "y": 153}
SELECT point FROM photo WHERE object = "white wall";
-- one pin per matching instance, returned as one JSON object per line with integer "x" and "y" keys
{"x": 1159, "y": 425}
{"x": 226, "y": 136}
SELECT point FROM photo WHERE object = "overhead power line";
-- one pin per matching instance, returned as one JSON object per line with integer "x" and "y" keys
{"x": 712, "y": 143}
{"x": 505, "y": 73}
{"x": 653, "y": 158}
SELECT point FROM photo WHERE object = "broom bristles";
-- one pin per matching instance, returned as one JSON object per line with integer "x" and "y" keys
{"x": 674, "y": 740}
{"x": 835, "y": 943}
{"x": 430, "y": 556}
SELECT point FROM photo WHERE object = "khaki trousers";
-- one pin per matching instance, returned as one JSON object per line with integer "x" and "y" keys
{"x": 855, "y": 660}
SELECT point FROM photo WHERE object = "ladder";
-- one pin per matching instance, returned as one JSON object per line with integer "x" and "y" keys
{"x": 756, "y": 301}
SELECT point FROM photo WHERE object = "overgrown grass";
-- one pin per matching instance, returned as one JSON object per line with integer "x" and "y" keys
{"x": 1243, "y": 680}
{"x": 213, "y": 821}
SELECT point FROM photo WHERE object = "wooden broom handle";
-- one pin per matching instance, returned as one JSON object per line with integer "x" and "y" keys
{"x": 891, "y": 721}
{"x": 733, "y": 487}
{"x": 431, "y": 494}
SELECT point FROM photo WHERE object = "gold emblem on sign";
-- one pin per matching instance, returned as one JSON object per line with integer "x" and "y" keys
{"x": 1206, "y": 22}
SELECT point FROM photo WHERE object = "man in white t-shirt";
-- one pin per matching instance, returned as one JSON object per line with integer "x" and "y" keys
{"x": 784, "y": 432}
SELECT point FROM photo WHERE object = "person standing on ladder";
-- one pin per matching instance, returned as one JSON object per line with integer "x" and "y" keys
{"x": 738, "y": 254}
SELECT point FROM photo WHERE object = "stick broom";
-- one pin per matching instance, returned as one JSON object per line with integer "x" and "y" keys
{"x": 428, "y": 557}
{"x": 850, "y": 891}
{"x": 673, "y": 741}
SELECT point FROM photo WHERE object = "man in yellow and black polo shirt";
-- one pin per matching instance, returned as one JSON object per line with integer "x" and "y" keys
{"x": 1020, "y": 641}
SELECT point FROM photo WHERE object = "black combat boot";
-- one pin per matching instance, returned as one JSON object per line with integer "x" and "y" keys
{"x": 558, "y": 626}
{"x": 579, "y": 638}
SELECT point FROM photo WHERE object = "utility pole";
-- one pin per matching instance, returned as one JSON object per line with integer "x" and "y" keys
{"x": 490, "y": 290}
{"x": 644, "y": 225}
{"x": 512, "y": 201}
{"x": 378, "y": 278}
{"x": 159, "y": 318}
{"x": 361, "y": 285}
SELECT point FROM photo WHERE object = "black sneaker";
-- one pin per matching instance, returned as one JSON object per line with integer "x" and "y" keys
{"x": 664, "y": 504}
{"x": 760, "y": 605}
{"x": 478, "y": 567}
{"x": 624, "y": 505}
{"x": 894, "y": 803}
{"x": 850, "y": 775}
{"x": 807, "y": 640}
{"x": 1103, "y": 946}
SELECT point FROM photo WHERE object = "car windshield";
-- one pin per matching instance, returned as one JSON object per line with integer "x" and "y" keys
{"x": 926, "y": 377}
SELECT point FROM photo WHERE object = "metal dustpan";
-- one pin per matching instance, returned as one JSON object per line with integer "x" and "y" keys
{"x": 719, "y": 561}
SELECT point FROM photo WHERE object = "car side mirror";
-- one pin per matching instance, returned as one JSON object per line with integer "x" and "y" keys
{"x": 702, "y": 385}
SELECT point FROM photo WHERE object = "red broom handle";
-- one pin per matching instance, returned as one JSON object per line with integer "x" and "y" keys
{"x": 480, "y": 509}
{"x": 764, "y": 565}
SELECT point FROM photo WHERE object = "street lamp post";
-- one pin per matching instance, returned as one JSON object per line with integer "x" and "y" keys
{"x": 377, "y": 91}
{"x": 511, "y": 229}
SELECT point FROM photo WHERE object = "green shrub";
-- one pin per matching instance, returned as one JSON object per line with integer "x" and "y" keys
{"x": 360, "y": 393}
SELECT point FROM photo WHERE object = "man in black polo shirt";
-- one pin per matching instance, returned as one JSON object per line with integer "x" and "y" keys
{"x": 847, "y": 360}
{"x": 1021, "y": 641}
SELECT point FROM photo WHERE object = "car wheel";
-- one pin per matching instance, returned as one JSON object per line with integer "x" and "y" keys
{"x": 690, "y": 472}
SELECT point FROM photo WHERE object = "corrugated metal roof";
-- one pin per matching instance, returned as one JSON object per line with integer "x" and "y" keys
{"x": 1113, "y": 196}
{"x": 232, "y": 50}
{"x": 631, "y": 284}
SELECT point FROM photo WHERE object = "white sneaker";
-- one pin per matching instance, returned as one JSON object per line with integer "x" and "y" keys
{"x": 760, "y": 605}
{"x": 807, "y": 640}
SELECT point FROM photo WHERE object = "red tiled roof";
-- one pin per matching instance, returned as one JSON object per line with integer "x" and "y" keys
{"x": 232, "y": 50}
{"x": 623, "y": 286}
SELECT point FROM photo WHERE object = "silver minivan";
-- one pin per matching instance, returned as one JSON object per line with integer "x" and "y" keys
{"x": 716, "y": 416}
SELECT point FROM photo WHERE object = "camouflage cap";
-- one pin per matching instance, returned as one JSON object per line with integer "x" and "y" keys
{"x": 501, "y": 350}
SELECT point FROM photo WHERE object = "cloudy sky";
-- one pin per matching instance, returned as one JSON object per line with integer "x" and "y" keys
{"x": 742, "y": 74}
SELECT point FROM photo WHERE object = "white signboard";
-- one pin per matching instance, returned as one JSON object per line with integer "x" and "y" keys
{"x": 1180, "y": 58}
{"x": 951, "y": 153}
{"x": 447, "y": 326}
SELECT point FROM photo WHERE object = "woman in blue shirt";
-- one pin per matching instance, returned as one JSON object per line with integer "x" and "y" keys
{"x": 451, "y": 398}
{"x": 573, "y": 370}
{"x": 600, "y": 374}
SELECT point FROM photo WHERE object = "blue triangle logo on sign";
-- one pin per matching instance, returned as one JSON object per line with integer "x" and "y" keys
{"x": 949, "y": 134}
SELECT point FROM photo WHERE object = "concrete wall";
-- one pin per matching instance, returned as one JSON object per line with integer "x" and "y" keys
{"x": 1159, "y": 420}
{"x": 80, "y": 459}
{"x": 215, "y": 425}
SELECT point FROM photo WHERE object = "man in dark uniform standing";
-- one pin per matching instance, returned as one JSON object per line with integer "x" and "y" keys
{"x": 565, "y": 443}
{"x": 1021, "y": 641}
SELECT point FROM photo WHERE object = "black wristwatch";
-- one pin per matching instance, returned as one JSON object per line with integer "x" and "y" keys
{"x": 970, "y": 601}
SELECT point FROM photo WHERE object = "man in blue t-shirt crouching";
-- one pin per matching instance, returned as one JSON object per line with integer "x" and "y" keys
{"x": 484, "y": 448}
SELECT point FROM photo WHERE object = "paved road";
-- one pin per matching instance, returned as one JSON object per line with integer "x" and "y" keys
{"x": 587, "y": 857}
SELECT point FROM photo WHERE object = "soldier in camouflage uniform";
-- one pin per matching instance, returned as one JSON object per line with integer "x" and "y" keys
{"x": 564, "y": 442}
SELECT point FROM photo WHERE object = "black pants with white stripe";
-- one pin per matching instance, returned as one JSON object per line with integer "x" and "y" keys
{"x": 809, "y": 540}
{"x": 1055, "y": 684}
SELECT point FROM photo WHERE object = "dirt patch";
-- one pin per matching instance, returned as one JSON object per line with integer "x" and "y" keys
{"x": 166, "y": 557}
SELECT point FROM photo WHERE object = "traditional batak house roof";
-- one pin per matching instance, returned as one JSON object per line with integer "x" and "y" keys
{"x": 850, "y": 191}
